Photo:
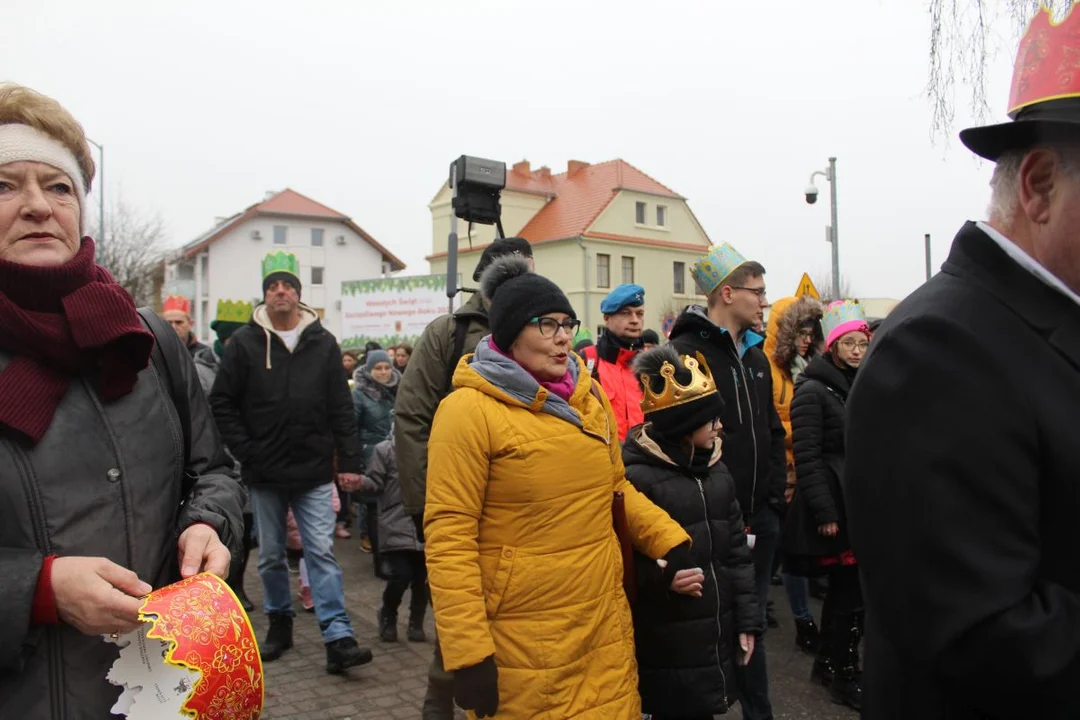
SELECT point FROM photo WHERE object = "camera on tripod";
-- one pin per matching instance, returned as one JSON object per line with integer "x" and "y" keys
{"x": 475, "y": 186}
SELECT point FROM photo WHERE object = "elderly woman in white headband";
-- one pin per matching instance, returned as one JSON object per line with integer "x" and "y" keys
{"x": 95, "y": 460}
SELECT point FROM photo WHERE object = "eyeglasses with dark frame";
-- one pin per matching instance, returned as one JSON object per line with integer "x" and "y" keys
{"x": 549, "y": 326}
{"x": 850, "y": 344}
{"x": 760, "y": 292}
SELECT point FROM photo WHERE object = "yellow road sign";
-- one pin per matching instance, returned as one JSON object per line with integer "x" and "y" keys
{"x": 806, "y": 287}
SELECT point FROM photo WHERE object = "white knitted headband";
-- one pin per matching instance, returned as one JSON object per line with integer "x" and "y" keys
{"x": 22, "y": 143}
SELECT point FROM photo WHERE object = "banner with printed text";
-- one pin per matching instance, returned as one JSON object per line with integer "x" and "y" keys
{"x": 390, "y": 311}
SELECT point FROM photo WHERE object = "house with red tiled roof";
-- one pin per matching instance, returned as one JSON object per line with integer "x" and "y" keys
{"x": 225, "y": 261}
{"x": 592, "y": 228}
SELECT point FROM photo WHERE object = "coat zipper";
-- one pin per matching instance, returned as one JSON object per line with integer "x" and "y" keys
{"x": 749, "y": 409}
{"x": 753, "y": 437}
{"x": 37, "y": 522}
{"x": 716, "y": 588}
{"x": 738, "y": 401}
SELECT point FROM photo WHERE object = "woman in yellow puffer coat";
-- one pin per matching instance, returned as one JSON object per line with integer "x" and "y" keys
{"x": 524, "y": 566}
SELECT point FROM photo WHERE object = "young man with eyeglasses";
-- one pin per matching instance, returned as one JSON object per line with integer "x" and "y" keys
{"x": 753, "y": 436}
{"x": 609, "y": 360}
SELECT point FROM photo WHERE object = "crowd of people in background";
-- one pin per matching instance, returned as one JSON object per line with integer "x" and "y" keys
{"x": 596, "y": 526}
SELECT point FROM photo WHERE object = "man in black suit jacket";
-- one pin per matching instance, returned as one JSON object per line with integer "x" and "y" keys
{"x": 963, "y": 472}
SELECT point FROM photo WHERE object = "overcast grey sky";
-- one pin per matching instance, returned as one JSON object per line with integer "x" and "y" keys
{"x": 205, "y": 106}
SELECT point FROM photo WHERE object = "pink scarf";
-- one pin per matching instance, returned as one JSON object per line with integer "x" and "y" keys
{"x": 563, "y": 387}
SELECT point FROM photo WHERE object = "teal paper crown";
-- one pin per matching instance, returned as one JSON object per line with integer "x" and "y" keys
{"x": 280, "y": 261}
{"x": 839, "y": 313}
{"x": 711, "y": 270}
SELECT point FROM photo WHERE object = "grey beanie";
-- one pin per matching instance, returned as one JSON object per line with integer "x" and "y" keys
{"x": 375, "y": 357}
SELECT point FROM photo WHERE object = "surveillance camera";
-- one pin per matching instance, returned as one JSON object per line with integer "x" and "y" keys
{"x": 811, "y": 194}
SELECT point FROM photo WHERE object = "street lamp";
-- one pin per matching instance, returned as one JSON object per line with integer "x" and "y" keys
{"x": 101, "y": 192}
{"x": 811, "y": 193}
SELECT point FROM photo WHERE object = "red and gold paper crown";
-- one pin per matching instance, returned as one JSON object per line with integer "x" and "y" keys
{"x": 178, "y": 303}
{"x": 1048, "y": 62}
{"x": 211, "y": 633}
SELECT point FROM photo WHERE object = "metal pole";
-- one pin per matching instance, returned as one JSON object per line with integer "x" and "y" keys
{"x": 101, "y": 192}
{"x": 835, "y": 233}
{"x": 928, "y": 273}
{"x": 452, "y": 244}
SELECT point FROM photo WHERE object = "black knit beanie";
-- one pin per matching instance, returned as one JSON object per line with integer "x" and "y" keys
{"x": 675, "y": 423}
{"x": 501, "y": 248}
{"x": 285, "y": 276}
{"x": 517, "y": 295}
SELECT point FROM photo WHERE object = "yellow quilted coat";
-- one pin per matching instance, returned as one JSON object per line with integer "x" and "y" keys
{"x": 522, "y": 559}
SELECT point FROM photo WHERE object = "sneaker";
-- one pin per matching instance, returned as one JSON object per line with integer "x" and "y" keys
{"x": 365, "y": 543}
{"x": 306, "y": 601}
{"x": 341, "y": 532}
{"x": 343, "y": 654}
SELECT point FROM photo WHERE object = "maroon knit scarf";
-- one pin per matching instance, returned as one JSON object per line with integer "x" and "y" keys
{"x": 58, "y": 323}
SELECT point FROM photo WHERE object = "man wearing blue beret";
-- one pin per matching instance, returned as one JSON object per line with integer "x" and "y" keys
{"x": 609, "y": 360}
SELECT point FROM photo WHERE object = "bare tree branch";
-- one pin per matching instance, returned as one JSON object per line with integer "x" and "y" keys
{"x": 133, "y": 249}
{"x": 823, "y": 283}
{"x": 965, "y": 37}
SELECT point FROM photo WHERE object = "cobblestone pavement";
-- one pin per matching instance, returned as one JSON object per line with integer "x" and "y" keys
{"x": 393, "y": 685}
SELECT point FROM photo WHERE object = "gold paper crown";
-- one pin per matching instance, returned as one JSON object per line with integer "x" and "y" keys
{"x": 675, "y": 393}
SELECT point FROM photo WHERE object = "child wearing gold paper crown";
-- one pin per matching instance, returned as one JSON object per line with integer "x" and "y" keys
{"x": 688, "y": 646}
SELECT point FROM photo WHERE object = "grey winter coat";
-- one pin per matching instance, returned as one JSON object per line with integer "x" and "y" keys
{"x": 397, "y": 531}
{"x": 105, "y": 481}
{"x": 206, "y": 365}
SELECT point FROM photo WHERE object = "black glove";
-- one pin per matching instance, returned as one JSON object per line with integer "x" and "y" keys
{"x": 418, "y": 521}
{"x": 678, "y": 558}
{"x": 476, "y": 688}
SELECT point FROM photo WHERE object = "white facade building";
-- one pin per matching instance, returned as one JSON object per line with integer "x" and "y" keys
{"x": 225, "y": 263}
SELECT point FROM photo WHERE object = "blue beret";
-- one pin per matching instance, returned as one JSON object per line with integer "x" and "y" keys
{"x": 623, "y": 296}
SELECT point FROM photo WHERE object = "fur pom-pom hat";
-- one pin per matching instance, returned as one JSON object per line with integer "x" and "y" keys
{"x": 678, "y": 401}
{"x": 517, "y": 296}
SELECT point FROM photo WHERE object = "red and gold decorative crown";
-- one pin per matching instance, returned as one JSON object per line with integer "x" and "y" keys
{"x": 1048, "y": 62}
{"x": 209, "y": 632}
{"x": 178, "y": 303}
{"x": 1044, "y": 101}
{"x": 675, "y": 393}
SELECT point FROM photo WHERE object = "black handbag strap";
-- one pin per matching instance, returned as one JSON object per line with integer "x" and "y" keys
{"x": 461, "y": 332}
{"x": 168, "y": 364}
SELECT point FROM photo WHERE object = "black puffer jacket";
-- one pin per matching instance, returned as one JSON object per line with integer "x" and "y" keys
{"x": 686, "y": 646}
{"x": 817, "y": 427}
{"x": 283, "y": 413}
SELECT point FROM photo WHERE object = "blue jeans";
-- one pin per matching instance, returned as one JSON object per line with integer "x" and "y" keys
{"x": 314, "y": 513}
{"x": 798, "y": 595}
{"x": 753, "y": 679}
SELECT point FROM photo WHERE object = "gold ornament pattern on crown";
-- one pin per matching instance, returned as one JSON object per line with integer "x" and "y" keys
{"x": 210, "y": 633}
{"x": 675, "y": 393}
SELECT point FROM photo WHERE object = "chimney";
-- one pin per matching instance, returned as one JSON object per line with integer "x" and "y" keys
{"x": 574, "y": 165}
{"x": 544, "y": 172}
{"x": 522, "y": 168}
{"x": 269, "y": 194}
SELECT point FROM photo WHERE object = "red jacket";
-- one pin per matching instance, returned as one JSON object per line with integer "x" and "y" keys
{"x": 620, "y": 384}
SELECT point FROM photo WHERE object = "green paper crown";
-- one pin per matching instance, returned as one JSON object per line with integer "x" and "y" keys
{"x": 235, "y": 311}
{"x": 280, "y": 261}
